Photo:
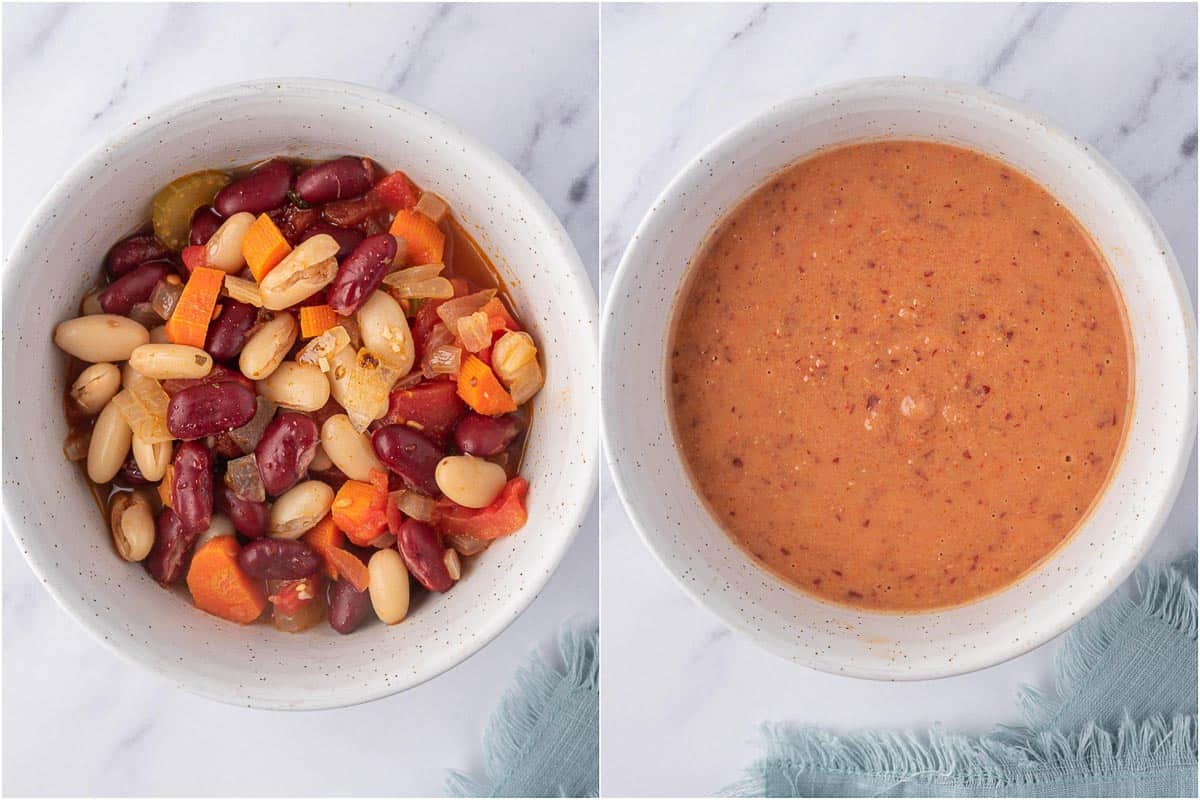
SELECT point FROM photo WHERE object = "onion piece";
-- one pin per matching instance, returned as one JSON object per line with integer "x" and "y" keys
{"x": 424, "y": 281}
{"x": 143, "y": 403}
{"x": 243, "y": 477}
{"x": 432, "y": 206}
{"x": 320, "y": 350}
{"x": 474, "y": 331}
{"x": 248, "y": 436}
{"x": 360, "y": 384}
{"x": 244, "y": 291}
{"x": 466, "y": 545}
{"x": 514, "y": 359}
{"x": 452, "y": 310}
{"x": 414, "y": 504}
{"x": 145, "y": 315}
{"x": 164, "y": 298}
{"x": 445, "y": 359}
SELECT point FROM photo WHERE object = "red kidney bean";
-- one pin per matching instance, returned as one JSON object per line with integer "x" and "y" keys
{"x": 228, "y": 333}
{"x": 286, "y": 449}
{"x": 219, "y": 374}
{"x": 130, "y": 474}
{"x": 409, "y": 454}
{"x": 347, "y": 238}
{"x": 348, "y": 607}
{"x": 205, "y": 222}
{"x": 249, "y": 517}
{"x": 333, "y": 180}
{"x": 351, "y": 213}
{"x": 361, "y": 273}
{"x": 135, "y": 286}
{"x": 486, "y": 436}
{"x": 263, "y": 189}
{"x": 278, "y": 559}
{"x": 207, "y": 409}
{"x": 129, "y": 253}
{"x": 192, "y": 486}
{"x": 173, "y": 542}
{"x": 294, "y": 221}
{"x": 424, "y": 554}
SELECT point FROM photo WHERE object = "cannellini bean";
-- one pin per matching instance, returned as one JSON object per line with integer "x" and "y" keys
{"x": 91, "y": 304}
{"x": 302, "y": 273}
{"x": 224, "y": 250}
{"x": 349, "y": 450}
{"x": 158, "y": 335}
{"x": 100, "y": 337}
{"x": 321, "y": 460}
{"x": 221, "y": 525}
{"x": 132, "y": 525}
{"x": 111, "y": 438}
{"x": 265, "y": 349}
{"x": 152, "y": 459}
{"x": 95, "y": 386}
{"x": 299, "y": 510}
{"x": 384, "y": 330}
{"x": 387, "y": 579}
{"x": 302, "y": 387}
{"x": 470, "y": 481}
{"x": 171, "y": 361}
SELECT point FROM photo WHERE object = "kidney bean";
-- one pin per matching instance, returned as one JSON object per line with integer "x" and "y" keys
{"x": 424, "y": 555}
{"x": 333, "y": 180}
{"x": 286, "y": 449}
{"x": 205, "y": 223}
{"x": 410, "y": 455}
{"x": 218, "y": 374}
{"x": 347, "y": 238}
{"x": 249, "y": 517}
{"x": 135, "y": 286}
{"x": 130, "y": 474}
{"x": 351, "y": 213}
{"x": 207, "y": 409}
{"x": 134, "y": 251}
{"x": 192, "y": 486}
{"x": 361, "y": 273}
{"x": 486, "y": 436}
{"x": 228, "y": 333}
{"x": 348, "y": 607}
{"x": 278, "y": 559}
{"x": 262, "y": 190}
{"x": 294, "y": 221}
{"x": 173, "y": 542}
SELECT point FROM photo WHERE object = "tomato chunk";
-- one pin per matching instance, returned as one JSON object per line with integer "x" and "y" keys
{"x": 431, "y": 407}
{"x": 505, "y": 515}
{"x": 396, "y": 192}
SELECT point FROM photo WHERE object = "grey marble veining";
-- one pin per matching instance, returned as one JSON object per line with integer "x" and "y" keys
{"x": 1121, "y": 77}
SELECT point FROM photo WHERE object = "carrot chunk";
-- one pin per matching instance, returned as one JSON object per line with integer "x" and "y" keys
{"x": 498, "y": 317}
{"x": 360, "y": 509}
{"x": 323, "y": 538}
{"x": 481, "y": 390}
{"x": 189, "y": 321}
{"x": 220, "y": 587}
{"x": 425, "y": 240}
{"x": 264, "y": 246}
{"x": 350, "y": 568}
{"x": 315, "y": 320}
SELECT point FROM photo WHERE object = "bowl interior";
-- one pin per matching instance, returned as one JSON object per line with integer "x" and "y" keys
{"x": 59, "y": 527}
{"x": 679, "y": 529}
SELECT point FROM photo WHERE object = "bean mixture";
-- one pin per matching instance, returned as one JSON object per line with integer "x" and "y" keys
{"x": 301, "y": 389}
{"x": 900, "y": 373}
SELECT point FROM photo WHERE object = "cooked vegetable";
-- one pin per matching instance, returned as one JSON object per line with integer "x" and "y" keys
{"x": 451, "y": 311}
{"x": 505, "y": 515}
{"x": 349, "y": 567}
{"x": 315, "y": 320}
{"x": 174, "y": 206}
{"x": 297, "y": 605}
{"x": 514, "y": 358}
{"x": 264, "y": 246}
{"x": 396, "y": 192}
{"x": 324, "y": 347}
{"x": 424, "y": 239}
{"x": 432, "y": 206}
{"x": 193, "y": 312}
{"x": 479, "y": 388}
{"x": 423, "y": 281}
{"x": 324, "y": 537}
{"x": 220, "y": 587}
{"x": 474, "y": 331}
{"x": 360, "y": 384}
{"x": 143, "y": 404}
{"x": 360, "y": 509}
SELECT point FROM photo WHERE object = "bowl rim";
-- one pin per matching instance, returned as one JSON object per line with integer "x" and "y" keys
{"x": 574, "y": 281}
{"x": 624, "y": 473}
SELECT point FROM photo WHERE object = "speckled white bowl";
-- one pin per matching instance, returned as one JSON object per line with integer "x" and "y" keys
{"x": 676, "y": 525}
{"x": 47, "y": 503}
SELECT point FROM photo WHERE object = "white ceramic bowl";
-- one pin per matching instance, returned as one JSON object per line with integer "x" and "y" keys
{"x": 676, "y": 525}
{"x": 47, "y": 503}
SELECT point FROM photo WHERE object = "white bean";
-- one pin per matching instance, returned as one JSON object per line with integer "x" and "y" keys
{"x": 321, "y": 461}
{"x": 224, "y": 248}
{"x": 132, "y": 525}
{"x": 95, "y": 386}
{"x": 111, "y": 438}
{"x": 264, "y": 351}
{"x": 470, "y": 481}
{"x": 385, "y": 332}
{"x": 299, "y": 509}
{"x": 169, "y": 361}
{"x": 301, "y": 387}
{"x": 221, "y": 525}
{"x": 91, "y": 304}
{"x": 349, "y": 450}
{"x": 152, "y": 459}
{"x": 100, "y": 337}
{"x": 387, "y": 579}
{"x": 302, "y": 273}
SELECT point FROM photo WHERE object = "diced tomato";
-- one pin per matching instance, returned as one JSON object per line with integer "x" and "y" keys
{"x": 291, "y": 596}
{"x": 396, "y": 192}
{"x": 505, "y": 515}
{"x": 193, "y": 256}
{"x": 431, "y": 407}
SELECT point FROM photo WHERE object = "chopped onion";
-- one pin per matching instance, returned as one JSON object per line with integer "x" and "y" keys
{"x": 243, "y": 477}
{"x": 414, "y": 504}
{"x": 143, "y": 403}
{"x": 420, "y": 282}
{"x": 248, "y": 436}
{"x": 431, "y": 206}
{"x": 474, "y": 331}
{"x": 514, "y": 359}
{"x": 466, "y": 545}
{"x": 145, "y": 315}
{"x": 451, "y": 310}
{"x": 360, "y": 384}
{"x": 445, "y": 359}
{"x": 439, "y": 336}
{"x": 164, "y": 297}
{"x": 321, "y": 349}
{"x": 408, "y": 381}
{"x": 383, "y": 541}
{"x": 526, "y": 382}
{"x": 244, "y": 291}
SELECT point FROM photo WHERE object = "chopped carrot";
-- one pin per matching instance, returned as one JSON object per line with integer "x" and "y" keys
{"x": 220, "y": 587}
{"x": 360, "y": 508}
{"x": 264, "y": 246}
{"x": 323, "y": 538}
{"x": 481, "y": 390}
{"x": 498, "y": 317}
{"x": 425, "y": 240}
{"x": 349, "y": 567}
{"x": 315, "y": 320}
{"x": 193, "y": 256}
{"x": 189, "y": 322}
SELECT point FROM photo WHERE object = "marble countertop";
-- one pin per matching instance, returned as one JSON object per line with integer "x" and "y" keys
{"x": 683, "y": 695}
{"x": 78, "y": 719}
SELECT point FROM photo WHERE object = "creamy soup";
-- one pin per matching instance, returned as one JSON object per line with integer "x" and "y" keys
{"x": 900, "y": 374}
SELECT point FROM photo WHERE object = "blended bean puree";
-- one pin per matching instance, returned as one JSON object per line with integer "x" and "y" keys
{"x": 899, "y": 374}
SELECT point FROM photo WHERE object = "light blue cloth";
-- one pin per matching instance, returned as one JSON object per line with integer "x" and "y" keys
{"x": 544, "y": 740}
{"x": 1120, "y": 721}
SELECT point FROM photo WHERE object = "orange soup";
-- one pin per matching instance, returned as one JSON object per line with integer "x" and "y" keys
{"x": 899, "y": 374}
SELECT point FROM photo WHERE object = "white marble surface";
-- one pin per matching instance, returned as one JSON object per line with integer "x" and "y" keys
{"x": 79, "y": 720}
{"x": 682, "y": 696}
